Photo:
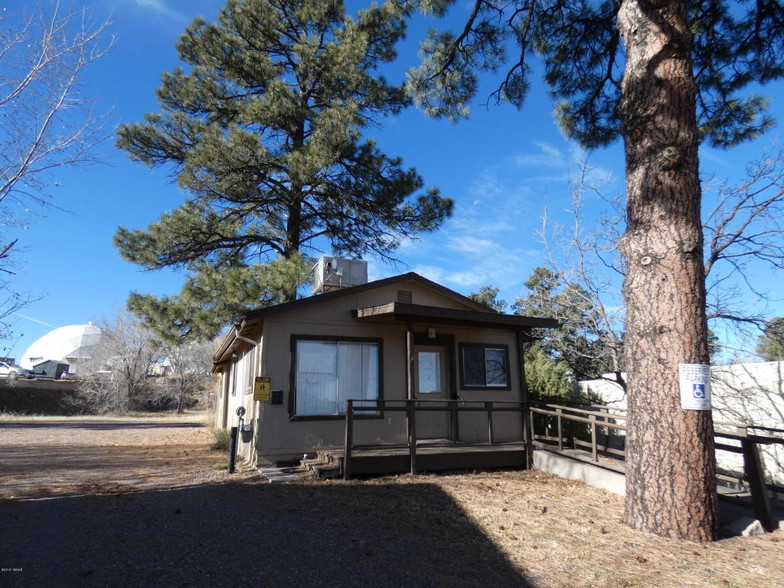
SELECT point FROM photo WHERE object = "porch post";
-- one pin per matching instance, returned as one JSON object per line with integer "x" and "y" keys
{"x": 527, "y": 416}
{"x": 411, "y": 412}
{"x": 409, "y": 361}
{"x": 349, "y": 441}
{"x": 755, "y": 475}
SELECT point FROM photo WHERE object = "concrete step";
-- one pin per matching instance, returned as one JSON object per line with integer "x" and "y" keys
{"x": 282, "y": 475}
{"x": 311, "y": 464}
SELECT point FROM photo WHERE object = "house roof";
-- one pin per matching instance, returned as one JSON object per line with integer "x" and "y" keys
{"x": 353, "y": 290}
{"x": 477, "y": 315}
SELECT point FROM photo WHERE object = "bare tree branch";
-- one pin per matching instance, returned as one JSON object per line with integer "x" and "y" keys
{"x": 745, "y": 226}
{"x": 580, "y": 260}
{"x": 47, "y": 121}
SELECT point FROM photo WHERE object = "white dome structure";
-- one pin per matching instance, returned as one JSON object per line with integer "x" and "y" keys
{"x": 73, "y": 345}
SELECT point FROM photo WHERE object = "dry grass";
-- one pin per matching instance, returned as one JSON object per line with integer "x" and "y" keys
{"x": 554, "y": 532}
{"x": 67, "y": 456}
{"x": 563, "y": 533}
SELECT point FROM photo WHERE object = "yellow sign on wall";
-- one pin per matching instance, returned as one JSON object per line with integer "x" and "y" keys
{"x": 261, "y": 388}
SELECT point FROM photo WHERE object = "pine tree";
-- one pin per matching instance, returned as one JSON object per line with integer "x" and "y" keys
{"x": 662, "y": 75}
{"x": 583, "y": 343}
{"x": 488, "y": 296}
{"x": 770, "y": 346}
{"x": 263, "y": 127}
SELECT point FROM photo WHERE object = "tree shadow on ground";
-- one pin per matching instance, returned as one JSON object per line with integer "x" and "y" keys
{"x": 252, "y": 534}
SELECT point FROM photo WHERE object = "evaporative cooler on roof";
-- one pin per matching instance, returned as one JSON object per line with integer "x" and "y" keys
{"x": 334, "y": 273}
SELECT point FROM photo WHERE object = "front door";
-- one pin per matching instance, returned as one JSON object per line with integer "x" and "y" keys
{"x": 432, "y": 382}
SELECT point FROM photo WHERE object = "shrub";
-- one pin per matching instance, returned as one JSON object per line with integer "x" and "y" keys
{"x": 222, "y": 440}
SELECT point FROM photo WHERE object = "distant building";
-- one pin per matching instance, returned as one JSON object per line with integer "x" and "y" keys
{"x": 74, "y": 345}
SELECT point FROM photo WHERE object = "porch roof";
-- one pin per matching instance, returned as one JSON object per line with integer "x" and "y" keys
{"x": 416, "y": 313}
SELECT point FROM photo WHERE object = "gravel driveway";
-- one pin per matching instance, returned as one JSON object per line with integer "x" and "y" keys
{"x": 138, "y": 502}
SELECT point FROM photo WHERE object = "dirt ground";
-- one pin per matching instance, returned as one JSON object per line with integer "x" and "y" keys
{"x": 145, "y": 501}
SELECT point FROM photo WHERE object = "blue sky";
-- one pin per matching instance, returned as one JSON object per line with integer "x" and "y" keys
{"x": 502, "y": 167}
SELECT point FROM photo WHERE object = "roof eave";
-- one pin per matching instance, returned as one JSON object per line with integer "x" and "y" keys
{"x": 401, "y": 312}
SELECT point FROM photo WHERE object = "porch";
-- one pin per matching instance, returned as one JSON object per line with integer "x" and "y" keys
{"x": 431, "y": 456}
{"x": 417, "y": 454}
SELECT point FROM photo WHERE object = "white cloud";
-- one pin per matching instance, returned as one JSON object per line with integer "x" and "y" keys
{"x": 466, "y": 264}
{"x": 548, "y": 156}
{"x": 492, "y": 237}
{"x": 161, "y": 7}
{"x": 470, "y": 244}
{"x": 454, "y": 279}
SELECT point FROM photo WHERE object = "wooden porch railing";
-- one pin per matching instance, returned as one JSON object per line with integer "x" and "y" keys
{"x": 748, "y": 437}
{"x": 412, "y": 407}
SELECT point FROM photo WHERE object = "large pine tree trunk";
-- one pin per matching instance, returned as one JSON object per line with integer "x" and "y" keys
{"x": 671, "y": 471}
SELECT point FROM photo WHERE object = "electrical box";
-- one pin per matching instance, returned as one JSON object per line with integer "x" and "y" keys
{"x": 247, "y": 433}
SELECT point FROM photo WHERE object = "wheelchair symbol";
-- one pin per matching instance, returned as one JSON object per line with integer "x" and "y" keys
{"x": 698, "y": 391}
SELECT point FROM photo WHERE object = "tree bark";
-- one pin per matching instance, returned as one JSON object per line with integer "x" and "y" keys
{"x": 671, "y": 468}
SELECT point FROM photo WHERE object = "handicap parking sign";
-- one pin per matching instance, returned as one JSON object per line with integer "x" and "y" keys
{"x": 695, "y": 386}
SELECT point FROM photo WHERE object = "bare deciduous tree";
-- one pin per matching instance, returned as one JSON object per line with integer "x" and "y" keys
{"x": 46, "y": 121}
{"x": 191, "y": 363}
{"x": 589, "y": 268}
{"x": 118, "y": 377}
{"x": 745, "y": 226}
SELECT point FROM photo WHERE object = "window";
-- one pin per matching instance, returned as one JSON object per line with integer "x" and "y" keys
{"x": 327, "y": 373}
{"x": 247, "y": 360}
{"x": 484, "y": 366}
{"x": 429, "y": 372}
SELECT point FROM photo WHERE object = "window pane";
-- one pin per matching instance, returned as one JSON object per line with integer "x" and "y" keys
{"x": 316, "y": 356}
{"x": 316, "y": 378}
{"x": 429, "y": 371}
{"x": 370, "y": 377}
{"x": 495, "y": 367}
{"x": 350, "y": 376}
{"x": 248, "y": 359}
{"x": 473, "y": 366}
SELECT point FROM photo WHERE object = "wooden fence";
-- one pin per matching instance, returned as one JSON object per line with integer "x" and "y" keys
{"x": 411, "y": 408}
{"x": 606, "y": 441}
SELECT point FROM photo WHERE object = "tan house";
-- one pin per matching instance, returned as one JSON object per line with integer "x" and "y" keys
{"x": 294, "y": 366}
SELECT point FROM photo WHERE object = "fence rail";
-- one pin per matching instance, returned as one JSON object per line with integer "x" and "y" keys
{"x": 411, "y": 408}
{"x": 599, "y": 417}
